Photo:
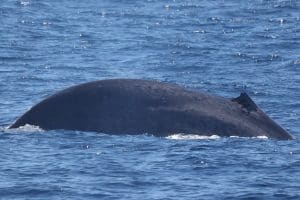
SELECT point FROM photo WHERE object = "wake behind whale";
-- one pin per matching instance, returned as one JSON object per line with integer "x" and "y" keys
{"x": 132, "y": 106}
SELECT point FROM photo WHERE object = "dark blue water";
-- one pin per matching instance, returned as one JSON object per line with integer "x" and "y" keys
{"x": 222, "y": 47}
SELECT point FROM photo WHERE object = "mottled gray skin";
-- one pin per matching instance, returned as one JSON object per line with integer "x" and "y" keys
{"x": 129, "y": 106}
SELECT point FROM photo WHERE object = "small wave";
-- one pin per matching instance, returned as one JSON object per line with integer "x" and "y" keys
{"x": 25, "y": 128}
{"x": 181, "y": 136}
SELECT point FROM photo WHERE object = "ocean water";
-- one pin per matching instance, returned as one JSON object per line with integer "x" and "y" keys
{"x": 223, "y": 47}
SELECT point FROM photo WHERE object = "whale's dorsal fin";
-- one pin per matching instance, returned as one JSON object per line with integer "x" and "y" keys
{"x": 246, "y": 102}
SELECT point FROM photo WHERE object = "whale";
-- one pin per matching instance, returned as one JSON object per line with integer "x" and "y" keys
{"x": 136, "y": 106}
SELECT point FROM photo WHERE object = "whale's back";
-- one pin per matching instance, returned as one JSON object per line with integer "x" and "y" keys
{"x": 130, "y": 106}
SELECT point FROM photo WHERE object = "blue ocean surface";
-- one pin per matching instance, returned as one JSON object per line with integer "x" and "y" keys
{"x": 222, "y": 47}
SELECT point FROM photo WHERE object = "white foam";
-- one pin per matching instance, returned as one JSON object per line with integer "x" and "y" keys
{"x": 255, "y": 137}
{"x": 262, "y": 137}
{"x": 181, "y": 136}
{"x": 25, "y": 3}
{"x": 26, "y": 128}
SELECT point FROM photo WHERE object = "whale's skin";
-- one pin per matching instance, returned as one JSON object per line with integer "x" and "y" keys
{"x": 133, "y": 106}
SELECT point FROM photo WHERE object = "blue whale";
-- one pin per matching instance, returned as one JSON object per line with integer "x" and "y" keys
{"x": 132, "y": 106}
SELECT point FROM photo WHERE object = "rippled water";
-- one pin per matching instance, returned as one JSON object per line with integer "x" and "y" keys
{"x": 223, "y": 47}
